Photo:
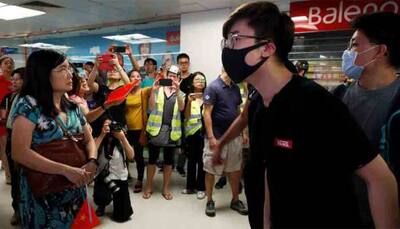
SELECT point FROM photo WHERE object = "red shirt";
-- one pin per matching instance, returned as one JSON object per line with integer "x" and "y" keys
{"x": 5, "y": 88}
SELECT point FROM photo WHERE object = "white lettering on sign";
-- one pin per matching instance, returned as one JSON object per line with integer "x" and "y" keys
{"x": 314, "y": 12}
{"x": 333, "y": 15}
{"x": 350, "y": 12}
{"x": 393, "y": 4}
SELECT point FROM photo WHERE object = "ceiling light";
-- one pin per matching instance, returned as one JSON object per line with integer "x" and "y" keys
{"x": 299, "y": 19}
{"x": 2, "y": 4}
{"x": 135, "y": 38}
{"x": 10, "y": 12}
{"x": 46, "y": 46}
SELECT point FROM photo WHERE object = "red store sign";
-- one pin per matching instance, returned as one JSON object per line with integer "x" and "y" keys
{"x": 327, "y": 15}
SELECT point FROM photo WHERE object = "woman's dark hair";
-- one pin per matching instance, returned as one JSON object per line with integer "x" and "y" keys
{"x": 131, "y": 71}
{"x": 268, "y": 22}
{"x": 380, "y": 28}
{"x": 20, "y": 71}
{"x": 194, "y": 75}
{"x": 76, "y": 82}
{"x": 37, "y": 80}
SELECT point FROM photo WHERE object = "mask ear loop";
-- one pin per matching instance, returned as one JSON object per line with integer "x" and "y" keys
{"x": 357, "y": 54}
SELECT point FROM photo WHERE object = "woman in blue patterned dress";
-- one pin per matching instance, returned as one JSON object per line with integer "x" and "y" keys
{"x": 42, "y": 100}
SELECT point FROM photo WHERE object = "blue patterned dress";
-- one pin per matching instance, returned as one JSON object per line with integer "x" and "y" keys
{"x": 54, "y": 210}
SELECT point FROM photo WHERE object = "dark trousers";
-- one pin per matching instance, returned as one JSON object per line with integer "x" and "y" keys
{"x": 195, "y": 173}
{"x": 133, "y": 138}
{"x": 254, "y": 180}
{"x": 102, "y": 196}
{"x": 14, "y": 173}
{"x": 154, "y": 152}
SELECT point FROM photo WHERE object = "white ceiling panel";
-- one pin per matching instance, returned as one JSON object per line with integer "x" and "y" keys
{"x": 75, "y": 15}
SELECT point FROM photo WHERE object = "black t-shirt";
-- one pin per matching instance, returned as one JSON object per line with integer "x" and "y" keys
{"x": 186, "y": 84}
{"x": 311, "y": 147}
{"x": 114, "y": 113}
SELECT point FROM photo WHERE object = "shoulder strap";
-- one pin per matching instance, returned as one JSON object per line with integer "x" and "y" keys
{"x": 65, "y": 131}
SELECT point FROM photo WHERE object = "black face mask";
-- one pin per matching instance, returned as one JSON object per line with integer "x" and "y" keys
{"x": 235, "y": 64}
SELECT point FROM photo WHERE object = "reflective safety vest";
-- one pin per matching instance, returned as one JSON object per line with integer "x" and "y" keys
{"x": 155, "y": 119}
{"x": 193, "y": 124}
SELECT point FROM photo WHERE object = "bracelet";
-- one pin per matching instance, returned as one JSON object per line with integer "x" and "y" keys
{"x": 94, "y": 160}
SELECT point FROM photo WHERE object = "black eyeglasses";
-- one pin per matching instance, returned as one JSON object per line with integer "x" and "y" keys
{"x": 230, "y": 41}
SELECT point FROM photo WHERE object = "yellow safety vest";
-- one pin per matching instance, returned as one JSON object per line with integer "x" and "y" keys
{"x": 155, "y": 119}
{"x": 193, "y": 124}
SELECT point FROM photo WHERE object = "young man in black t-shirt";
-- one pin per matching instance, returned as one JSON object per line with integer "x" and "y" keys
{"x": 305, "y": 137}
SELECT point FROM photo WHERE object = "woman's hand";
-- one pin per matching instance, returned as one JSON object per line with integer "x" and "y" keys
{"x": 156, "y": 84}
{"x": 78, "y": 176}
{"x": 128, "y": 50}
{"x": 119, "y": 135}
{"x": 90, "y": 167}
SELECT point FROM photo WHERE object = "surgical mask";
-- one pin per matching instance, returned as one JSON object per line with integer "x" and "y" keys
{"x": 349, "y": 67}
{"x": 235, "y": 65}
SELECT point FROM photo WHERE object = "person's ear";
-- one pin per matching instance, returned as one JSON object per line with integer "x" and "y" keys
{"x": 382, "y": 51}
{"x": 268, "y": 49}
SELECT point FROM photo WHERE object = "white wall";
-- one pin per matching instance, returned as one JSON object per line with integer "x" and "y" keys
{"x": 201, "y": 35}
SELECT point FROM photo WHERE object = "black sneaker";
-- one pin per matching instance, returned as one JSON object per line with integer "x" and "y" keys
{"x": 220, "y": 183}
{"x": 210, "y": 208}
{"x": 100, "y": 211}
{"x": 239, "y": 207}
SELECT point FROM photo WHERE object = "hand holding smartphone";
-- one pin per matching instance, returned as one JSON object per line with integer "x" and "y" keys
{"x": 105, "y": 62}
{"x": 165, "y": 82}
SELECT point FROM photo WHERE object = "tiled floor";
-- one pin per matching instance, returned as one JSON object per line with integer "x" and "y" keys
{"x": 183, "y": 212}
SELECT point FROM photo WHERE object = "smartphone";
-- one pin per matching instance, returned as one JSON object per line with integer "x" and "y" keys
{"x": 78, "y": 65}
{"x": 165, "y": 82}
{"x": 119, "y": 49}
{"x": 104, "y": 60}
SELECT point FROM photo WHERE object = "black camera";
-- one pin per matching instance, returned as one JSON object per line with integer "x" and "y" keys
{"x": 116, "y": 126}
{"x": 104, "y": 176}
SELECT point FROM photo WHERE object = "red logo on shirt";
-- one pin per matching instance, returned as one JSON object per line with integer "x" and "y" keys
{"x": 286, "y": 144}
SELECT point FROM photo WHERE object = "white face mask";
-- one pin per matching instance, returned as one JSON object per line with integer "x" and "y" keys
{"x": 349, "y": 67}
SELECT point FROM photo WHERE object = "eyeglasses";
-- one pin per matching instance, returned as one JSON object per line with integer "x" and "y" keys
{"x": 232, "y": 38}
{"x": 66, "y": 69}
{"x": 354, "y": 44}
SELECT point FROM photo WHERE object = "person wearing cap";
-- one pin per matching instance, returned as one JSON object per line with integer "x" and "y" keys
{"x": 6, "y": 67}
{"x": 164, "y": 127}
{"x": 302, "y": 67}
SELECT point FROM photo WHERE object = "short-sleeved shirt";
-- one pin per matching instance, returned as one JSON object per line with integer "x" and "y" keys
{"x": 5, "y": 88}
{"x": 311, "y": 146}
{"x": 147, "y": 82}
{"x": 226, "y": 100}
{"x": 371, "y": 107}
{"x": 46, "y": 129}
{"x": 133, "y": 115}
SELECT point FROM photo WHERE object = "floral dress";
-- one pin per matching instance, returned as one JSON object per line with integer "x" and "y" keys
{"x": 56, "y": 210}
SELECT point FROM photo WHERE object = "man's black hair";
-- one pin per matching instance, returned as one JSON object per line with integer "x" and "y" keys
{"x": 380, "y": 28}
{"x": 268, "y": 23}
{"x": 153, "y": 61}
{"x": 182, "y": 55}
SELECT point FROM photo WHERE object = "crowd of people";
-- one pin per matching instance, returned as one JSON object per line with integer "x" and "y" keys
{"x": 308, "y": 157}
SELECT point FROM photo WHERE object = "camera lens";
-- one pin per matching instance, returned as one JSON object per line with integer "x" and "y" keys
{"x": 111, "y": 184}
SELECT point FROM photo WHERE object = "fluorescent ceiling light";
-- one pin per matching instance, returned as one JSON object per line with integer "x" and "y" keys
{"x": 135, "y": 38}
{"x": 2, "y": 4}
{"x": 322, "y": 57}
{"x": 46, "y": 46}
{"x": 10, "y": 12}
